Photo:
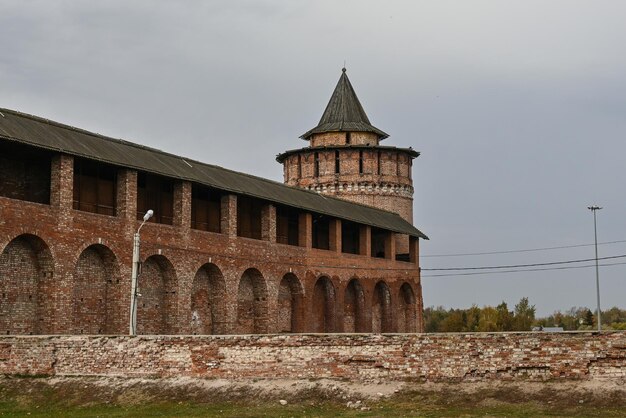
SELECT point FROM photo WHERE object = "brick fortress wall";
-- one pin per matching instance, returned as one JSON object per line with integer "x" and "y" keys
{"x": 358, "y": 357}
{"x": 67, "y": 271}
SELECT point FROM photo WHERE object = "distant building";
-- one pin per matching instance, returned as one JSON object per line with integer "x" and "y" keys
{"x": 225, "y": 252}
{"x": 548, "y": 329}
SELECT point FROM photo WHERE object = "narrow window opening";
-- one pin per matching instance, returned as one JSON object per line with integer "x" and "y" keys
{"x": 397, "y": 164}
{"x": 361, "y": 162}
{"x": 379, "y": 163}
{"x": 316, "y": 165}
{"x": 337, "y": 163}
{"x": 410, "y": 169}
{"x": 299, "y": 166}
{"x": 348, "y": 138}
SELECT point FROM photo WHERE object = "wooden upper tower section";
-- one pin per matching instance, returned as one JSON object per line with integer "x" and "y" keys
{"x": 345, "y": 159}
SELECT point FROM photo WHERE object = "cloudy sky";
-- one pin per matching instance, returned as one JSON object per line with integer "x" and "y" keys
{"x": 518, "y": 109}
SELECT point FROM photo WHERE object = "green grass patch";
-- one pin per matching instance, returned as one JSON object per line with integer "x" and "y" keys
{"x": 83, "y": 397}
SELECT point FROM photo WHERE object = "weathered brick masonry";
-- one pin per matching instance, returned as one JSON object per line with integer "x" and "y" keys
{"x": 430, "y": 357}
{"x": 68, "y": 271}
{"x": 224, "y": 253}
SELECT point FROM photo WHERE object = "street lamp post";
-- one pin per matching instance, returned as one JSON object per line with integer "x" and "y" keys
{"x": 595, "y": 233}
{"x": 135, "y": 272}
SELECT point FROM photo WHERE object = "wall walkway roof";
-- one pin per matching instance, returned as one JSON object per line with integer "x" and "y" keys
{"x": 46, "y": 134}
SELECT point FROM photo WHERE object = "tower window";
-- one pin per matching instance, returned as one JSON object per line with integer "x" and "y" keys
{"x": 397, "y": 164}
{"x": 316, "y": 165}
{"x": 379, "y": 163}
{"x": 337, "y": 165}
{"x": 299, "y": 166}
{"x": 361, "y": 162}
{"x": 348, "y": 139}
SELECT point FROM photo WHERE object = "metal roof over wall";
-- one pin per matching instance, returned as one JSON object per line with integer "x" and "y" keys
{"x": 46, "y": 134}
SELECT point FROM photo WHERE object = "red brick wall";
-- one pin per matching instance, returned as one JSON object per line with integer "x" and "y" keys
{"x": 385, "y": 182}
{"x": 76, "y": 266}
{"x": 357, "y": 357}
{"x": 339, "y": 138}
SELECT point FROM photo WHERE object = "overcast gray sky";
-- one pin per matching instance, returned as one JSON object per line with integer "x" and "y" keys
{"x": 518, "y": 109}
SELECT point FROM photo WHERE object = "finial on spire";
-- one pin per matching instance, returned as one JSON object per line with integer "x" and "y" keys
{"x": 343, "y": 70}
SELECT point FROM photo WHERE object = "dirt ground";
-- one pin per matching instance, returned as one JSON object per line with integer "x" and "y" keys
{"x": 133, "y": 391}
{"x": 65, "y": 393}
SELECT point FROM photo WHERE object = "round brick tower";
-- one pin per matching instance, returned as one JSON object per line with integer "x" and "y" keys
{"x": 345, "y": 159}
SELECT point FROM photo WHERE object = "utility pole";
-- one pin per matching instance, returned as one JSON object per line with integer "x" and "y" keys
{"x": 595, "y": 233}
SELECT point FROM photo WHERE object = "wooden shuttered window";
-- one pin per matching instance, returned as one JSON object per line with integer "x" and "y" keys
{"x": 205, "y": 208}
{"x": 95, "y": 186}
{"x": 321, "y": 235}
{"x": 24, "y": 173}
{"x": 249, "y": 212}
{"x": 350, "y": 235}
{"x": 156, "y": 193}
{"x": 287, "y": 224}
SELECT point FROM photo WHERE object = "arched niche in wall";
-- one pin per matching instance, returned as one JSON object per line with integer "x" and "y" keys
{"x": 97, "y": 293}
{"x": 208, "y": 313}
{"x": 26, "y": 286}
{"x": 157, "y": 287}
{"x": 290, "y": 296}
{"x": 381, "y": 308}
{"x": 354, "y": 308}
{"x": 252, "y": 303}
{"x": 407, "y": 314}
{"x": 323, "y": 311}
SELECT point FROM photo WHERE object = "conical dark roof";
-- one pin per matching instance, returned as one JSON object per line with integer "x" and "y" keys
{"x": 344, "y": 112}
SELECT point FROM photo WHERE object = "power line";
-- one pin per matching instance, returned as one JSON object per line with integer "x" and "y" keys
{"x": 520, "y": 271}
{"x": 521, "y": 251}
{"x": 524, "y": 265}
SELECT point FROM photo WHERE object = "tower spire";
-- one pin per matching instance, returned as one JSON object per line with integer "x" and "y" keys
{"x": 344, "y": 112}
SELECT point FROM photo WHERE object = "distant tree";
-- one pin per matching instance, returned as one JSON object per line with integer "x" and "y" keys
{"x": 504, "y": 321}
{"x": 613, "y": 315}
{"x": 433, "y": 317}
{"x": 454, "y": 322}
{"x": 472, "y": 319}
{"x": 619, "y": 326}
{"x": 524, "y": 315}
{"x": 488, "y": 321}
